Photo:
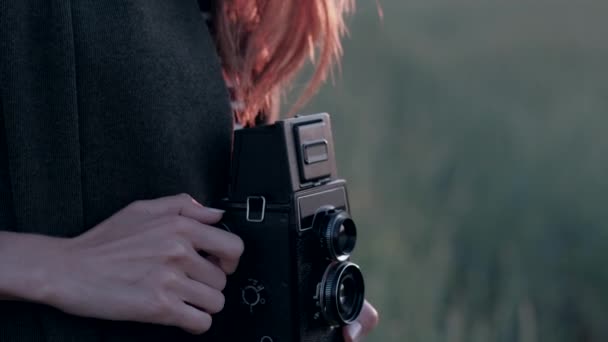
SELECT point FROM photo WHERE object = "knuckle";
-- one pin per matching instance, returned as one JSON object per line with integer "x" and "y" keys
{"x": 166, "y": 280}
{"x": 160, "y": 308}
{"x": 218, "y": 304}
{"x": 138, "y": 206}
{"x": 195, "y": 330}
{"x": 230, "y": 268}
{"x": 375, "y": 320}
{"x": 197, "y": 325}
{"x": 205, "y": 323}
{"x": 176, "y": 251}
{"x": 222, "y": 280}
{"x": 237, "y": 247}
{"x": 185, "y": 196}
{"x": 217, "y": 277}
{"x": 222, "y": 302}
{"x": 180, "y": 224}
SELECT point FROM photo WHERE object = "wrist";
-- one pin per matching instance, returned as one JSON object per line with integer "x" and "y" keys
{"x": 28, "y": 267}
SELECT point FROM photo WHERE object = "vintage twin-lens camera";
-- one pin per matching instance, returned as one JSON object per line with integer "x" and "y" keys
{"x": 295, "y": 281}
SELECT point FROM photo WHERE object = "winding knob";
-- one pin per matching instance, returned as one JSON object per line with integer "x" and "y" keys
{"x": 253, "y": 294}
{"x": 250, "y": 295}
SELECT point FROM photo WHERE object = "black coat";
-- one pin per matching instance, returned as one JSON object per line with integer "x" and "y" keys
{"x": 103, "y": 102}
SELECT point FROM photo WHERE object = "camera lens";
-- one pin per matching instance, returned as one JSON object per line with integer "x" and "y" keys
{"x": 343, "y": 293}
{"x": 347, "y": 295}
{"x": 345, "y": 241}
{"x": 339, "y": 234}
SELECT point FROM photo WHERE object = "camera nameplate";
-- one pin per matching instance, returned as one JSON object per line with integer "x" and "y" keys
{"x": 308, "y": 205}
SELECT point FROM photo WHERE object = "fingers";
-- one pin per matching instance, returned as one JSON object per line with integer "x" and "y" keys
{"x": 192, "y": 319}
{"x": 204, "y": 271}
{"x": 366, "y": 322}
{"x": 225, "y": 246}
{"x": 182, "y": 204}
{"x": 200, "y": 295}
{"x": 353, "y": 332}
{"x": 225, "y": 251}
{"x": 368, "y": 318}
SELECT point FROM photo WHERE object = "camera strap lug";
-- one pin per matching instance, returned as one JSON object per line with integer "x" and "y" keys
{"x": 262, "y": 209}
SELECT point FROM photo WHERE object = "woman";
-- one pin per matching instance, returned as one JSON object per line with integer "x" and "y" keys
{"x": 116, "y": 116}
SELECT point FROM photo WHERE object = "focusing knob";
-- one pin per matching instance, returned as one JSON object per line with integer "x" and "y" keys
{"x": 253, "y": 294}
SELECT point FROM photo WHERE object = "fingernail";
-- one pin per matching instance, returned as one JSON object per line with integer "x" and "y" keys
{"x": 196, "y": 202}
{"x": 354, "y": 331}
{"x": 215, "y": 210}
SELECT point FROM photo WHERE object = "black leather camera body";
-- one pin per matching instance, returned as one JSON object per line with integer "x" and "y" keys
{"x": 295, "y": 281}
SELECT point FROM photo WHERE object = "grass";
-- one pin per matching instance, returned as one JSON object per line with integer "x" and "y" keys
{"x": 472, "y": 137}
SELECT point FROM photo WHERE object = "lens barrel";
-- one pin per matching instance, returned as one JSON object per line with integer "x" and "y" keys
{"x": 342, "y": 293}
{"x": 338, "y": 234}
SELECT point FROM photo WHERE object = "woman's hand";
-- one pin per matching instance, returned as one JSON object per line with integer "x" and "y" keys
{"x": 142, "y": 264}
{"x": 367, "y": 321}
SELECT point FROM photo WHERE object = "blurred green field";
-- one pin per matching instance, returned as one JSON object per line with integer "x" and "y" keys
{"x": 472, "y": 135}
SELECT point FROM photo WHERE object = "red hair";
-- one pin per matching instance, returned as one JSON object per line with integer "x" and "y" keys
{"x": 264, "y": 44}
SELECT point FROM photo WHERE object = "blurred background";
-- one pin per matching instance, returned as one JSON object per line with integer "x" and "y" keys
{"x": 473, "y": 137}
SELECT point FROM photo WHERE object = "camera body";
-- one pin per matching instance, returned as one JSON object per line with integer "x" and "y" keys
{"x": 295, "y": 281}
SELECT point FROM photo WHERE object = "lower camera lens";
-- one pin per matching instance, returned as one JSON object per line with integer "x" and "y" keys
{"x": 347, "y": 295}
{"x": 338, "y": 234}
{"x": 343, "y": 293}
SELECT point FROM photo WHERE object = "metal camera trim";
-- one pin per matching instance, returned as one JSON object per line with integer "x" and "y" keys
{"x": 299, "y": 211}
{"x": 248, "y": 214}
{"x": 322, "y": 287}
